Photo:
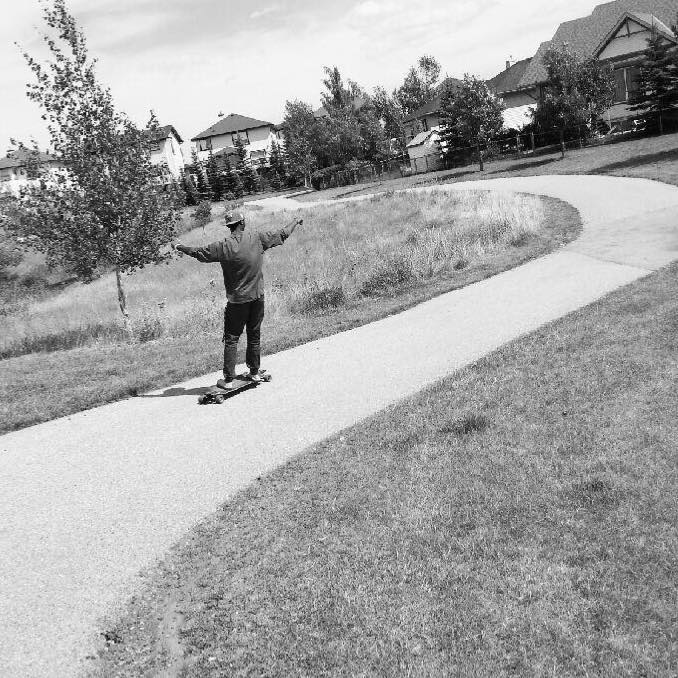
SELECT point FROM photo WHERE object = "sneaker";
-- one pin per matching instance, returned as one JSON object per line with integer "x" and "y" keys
{"x": 225, "y": 385}
{"x": 254, "y": 377}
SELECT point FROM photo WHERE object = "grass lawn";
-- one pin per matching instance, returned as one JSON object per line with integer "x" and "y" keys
{"x": 348, "y": 265}
{"x": 518, "y": 518}
{"x": 649, "y": 158}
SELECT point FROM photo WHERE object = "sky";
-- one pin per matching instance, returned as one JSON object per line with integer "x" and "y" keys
{"x": 189, "y": 61}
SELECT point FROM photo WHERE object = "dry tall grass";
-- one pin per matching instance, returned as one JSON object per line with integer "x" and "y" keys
{"x": 342, "y": 253}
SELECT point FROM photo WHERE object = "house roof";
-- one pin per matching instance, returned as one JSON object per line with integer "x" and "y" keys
{"x": 649, "y": 21}
{"x": 20, "y": 158}
{"x": 231, "y": 123}
{"x": 433, "y": 106}
{"x": 163, "y": 133}
{"x": 421, "y": 138}
{"x": 584, "y": 35}
{"x": 508, "y": 79}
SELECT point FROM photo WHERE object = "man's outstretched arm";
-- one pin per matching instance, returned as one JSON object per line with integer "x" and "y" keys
{"x": 206, "y": 255}
{"x": 278, "y": 236}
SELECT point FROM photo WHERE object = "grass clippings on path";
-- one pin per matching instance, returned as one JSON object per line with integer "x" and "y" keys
{"x": 42, "y": 386}
{"x": 518, "y": 518}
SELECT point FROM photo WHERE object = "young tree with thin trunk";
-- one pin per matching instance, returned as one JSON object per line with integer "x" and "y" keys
{"x": 109, "y": 207}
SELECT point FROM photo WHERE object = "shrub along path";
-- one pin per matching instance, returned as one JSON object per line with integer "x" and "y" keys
{"x": 92, "y": 499}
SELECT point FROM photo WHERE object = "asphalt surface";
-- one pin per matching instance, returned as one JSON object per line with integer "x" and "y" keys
{"x": 88, "y": 501}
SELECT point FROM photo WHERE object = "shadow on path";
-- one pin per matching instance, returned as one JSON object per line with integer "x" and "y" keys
{"x": 178, "y": 391}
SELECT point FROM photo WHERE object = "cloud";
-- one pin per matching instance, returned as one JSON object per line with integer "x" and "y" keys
{"x": 257, "y": 14}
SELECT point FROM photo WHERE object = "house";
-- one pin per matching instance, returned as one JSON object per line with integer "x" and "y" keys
{"x": 165, "y": 146}
{"x": 425, "y": 152}
{"x": 15, "y": 169}
{"x": 615, "y": 33}
{"x": 256, "y": 135}
{"x": 519, "y": 101}
{"x": 427, "y": 117}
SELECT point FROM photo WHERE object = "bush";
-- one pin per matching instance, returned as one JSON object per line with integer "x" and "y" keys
{"x": 320, "y": 300}
{"x": 392, "y": 271}
{"x": 149, "y": 327}
{"x": 202, "y": 213}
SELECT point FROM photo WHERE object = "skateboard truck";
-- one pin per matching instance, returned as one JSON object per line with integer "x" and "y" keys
{"x": 243, "y": 382}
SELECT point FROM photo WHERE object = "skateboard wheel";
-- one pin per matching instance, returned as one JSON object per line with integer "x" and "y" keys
{"x": 219, "y": 399}
{"x": 202, "y": 400}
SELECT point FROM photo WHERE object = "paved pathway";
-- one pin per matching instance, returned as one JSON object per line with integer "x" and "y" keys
{"x": 89, "y": 500}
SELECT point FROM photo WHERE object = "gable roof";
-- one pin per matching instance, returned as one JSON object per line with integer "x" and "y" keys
{"x": 508, "y": 79}
{"x": 433, "y": 106}
{"x": 233, "y": 122}
{"x": 164, "y": 133}
{"x": 422, "y": 138}
{"x": 648, "y": 21}
{"x": 584, "y": 35}
{"x": 20, "y": 157}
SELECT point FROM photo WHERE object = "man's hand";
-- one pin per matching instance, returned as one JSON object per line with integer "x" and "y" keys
{"x": 300, "y": 221}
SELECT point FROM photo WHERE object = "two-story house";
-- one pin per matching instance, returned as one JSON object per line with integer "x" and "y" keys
{"x": 15, "y": 169}
{"x": 615, "y": 33}
{"x": 427, "y": 117}
{"x": 165, "y": 146}
{"x": 257, "y": 137}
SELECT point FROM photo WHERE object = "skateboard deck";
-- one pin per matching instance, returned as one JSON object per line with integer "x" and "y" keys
{"x": 243, "y": 382}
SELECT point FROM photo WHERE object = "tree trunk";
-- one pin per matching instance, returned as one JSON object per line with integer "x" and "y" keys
{"x": 122, "y": 300}
{"x": 661, "y": 121}
{"x": 562, "y": 143}
{"x": 480, "y": 157}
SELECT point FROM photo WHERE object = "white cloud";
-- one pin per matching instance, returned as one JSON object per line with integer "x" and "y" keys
{"x": 257, "y": 14}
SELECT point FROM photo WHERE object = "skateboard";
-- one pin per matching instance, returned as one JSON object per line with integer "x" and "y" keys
{"x": 243, "y": 382}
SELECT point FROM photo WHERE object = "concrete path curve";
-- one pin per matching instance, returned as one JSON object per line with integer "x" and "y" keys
{"x": 88, "y": 501}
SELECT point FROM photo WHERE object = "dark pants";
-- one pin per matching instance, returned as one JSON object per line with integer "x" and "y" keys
{"x": 236, "y": 318}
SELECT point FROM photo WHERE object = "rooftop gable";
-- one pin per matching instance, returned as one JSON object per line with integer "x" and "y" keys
{"x": 583, "y": 36}
{"x": 648, "y": 21}
{"x": 164, "y": 132}
{"x": 21, "y": 157}
{"x": 508, "y": 79}
{"x": 233, "y": 122}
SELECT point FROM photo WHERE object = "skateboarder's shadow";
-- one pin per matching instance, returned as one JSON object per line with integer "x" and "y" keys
{"x": 178, "y": 391}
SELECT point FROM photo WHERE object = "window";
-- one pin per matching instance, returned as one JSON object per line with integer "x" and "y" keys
{"x": 205, "y": 144}
{"x": 619, "y": 86}
{"x": 632, "y": 81}
{"x": 244, "y": 137}
{"x": 626, "y": 84}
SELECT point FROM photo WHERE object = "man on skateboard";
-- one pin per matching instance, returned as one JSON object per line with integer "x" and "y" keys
{"x": 241, "y": 255}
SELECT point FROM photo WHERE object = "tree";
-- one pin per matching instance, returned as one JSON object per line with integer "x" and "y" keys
{"x": 657, "y": 83}
{"x": 578, "y": 91}
{"x": 300, "y": 129}
{"x": 200, "y": 177}
{"x": 189, "y": 190}
{"x": 470, "y": 116}
{"x": 277, "y": 167}
{"x": 391, "y": 115}
{"x": 419, "y": 85}
{"x": 109, "y": 207}
{"x": 242, "y": 152}
{"x": 214, "y": 178}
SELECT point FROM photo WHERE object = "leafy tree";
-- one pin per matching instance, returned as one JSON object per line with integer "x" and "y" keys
{"x": 277, "y": 166}
{"x": 578, "y": 91}
{"x": 300, "y": 130}
{"x": 214, "y": 178}
{"x": 658, "y": 82}
{"x": 391, "y": 115}
{"x": 238, "y": 186}
{"x": 470, "y": 116}
{"x": 109, "y": 207}
{"x": 250, "y": 178}
{"x": 418, "y": 87}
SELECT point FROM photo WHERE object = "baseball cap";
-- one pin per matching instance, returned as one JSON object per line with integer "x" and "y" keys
{"x": 233, "y": 217}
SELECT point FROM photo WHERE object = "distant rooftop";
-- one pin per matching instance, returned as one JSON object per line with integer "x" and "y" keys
{"x": 21, "y": 157}
{"x": 232, "y": 123}
{"x": 163, "y": 133}
{"x": 583, "y": 36}
{"x": 508, "y": 79}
